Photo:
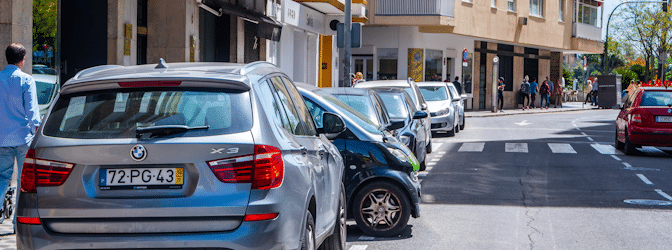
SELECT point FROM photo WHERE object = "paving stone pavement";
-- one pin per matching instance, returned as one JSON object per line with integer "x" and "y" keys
{"x": 7, "y": 238}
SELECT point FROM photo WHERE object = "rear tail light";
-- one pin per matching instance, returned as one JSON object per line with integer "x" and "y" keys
{"x": 264, "y": 169}
{"x": 29, "y": 220}
{"x": 258, "y": 217}
{"x": 42, "y": 173}
{"x": 637, "y": 118}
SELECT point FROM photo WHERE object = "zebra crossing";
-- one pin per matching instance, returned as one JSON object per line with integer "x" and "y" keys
{"x": 552, "y": 147}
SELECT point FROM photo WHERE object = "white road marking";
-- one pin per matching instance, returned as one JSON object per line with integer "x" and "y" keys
{"x": 358, "y": 247}
{"x": 652, "y": 150}
{"x": 616, "y": 158}
{"x": 523, "y": 123}
{"x": 577, "y": 128}
{"x": 590, "y": 139}
{"x": 472, "y": 147}
{"x": 644, "y": 179}
{"x": 422, "y": 174}
{"x": 627, "y": 165}
{"x": 431, "y": 164}
{"x": 441, "y": 152}
{"x": 584, "y": 134}
{"x": 365, "y": 237}
{"x": 516, "y": 148}
{"x": 436, "y": 146}
{"x": 561, "y": 148}
{"x": 428, "y": 169}
{"x": 435, "y": 159}
{"x": 606, "y": 149}
{"x": 667, "y": 196}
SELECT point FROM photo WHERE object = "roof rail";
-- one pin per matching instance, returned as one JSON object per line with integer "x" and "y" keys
{"x": 250, "y": 66}
{"x": 95, "y": 69}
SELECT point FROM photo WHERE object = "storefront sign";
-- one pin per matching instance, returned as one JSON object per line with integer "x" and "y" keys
{"x": 302, "y": 17}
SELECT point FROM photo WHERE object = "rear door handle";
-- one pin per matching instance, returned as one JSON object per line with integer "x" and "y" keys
{"x": 304, "y": 150}
{"x": 322, "y": 151}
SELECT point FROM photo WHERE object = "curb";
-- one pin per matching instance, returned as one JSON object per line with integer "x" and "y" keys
{"x": 527, "y": 113}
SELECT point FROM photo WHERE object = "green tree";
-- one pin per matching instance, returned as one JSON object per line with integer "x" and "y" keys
{"x": 44, "y": 23}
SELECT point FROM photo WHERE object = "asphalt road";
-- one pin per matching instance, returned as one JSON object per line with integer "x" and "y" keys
{"x": 538, "y": 181}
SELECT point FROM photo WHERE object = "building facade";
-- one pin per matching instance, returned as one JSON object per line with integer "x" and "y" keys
{"x": 435, "y": 40}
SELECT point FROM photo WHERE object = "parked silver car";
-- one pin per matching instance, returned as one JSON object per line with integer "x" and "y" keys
{"x": 460, "y": 104}
{"x": 414, "y": 92}
{"x": 442, "y": 106}
{"x": 184, "y": 155}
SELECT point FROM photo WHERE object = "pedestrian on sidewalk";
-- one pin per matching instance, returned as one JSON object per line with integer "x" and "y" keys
{"x": 544, "y": 91}
{"x": 588, "y": 90}
{"x": 534, "y": 89}
{"x": 525, "y": 92}
{"x": 20, "y": 115}
{"x": 458, "y": 85}
{"x": 500, "y": 94}
{"x": 559, "y": 92}
{"x": 594, "y": 94}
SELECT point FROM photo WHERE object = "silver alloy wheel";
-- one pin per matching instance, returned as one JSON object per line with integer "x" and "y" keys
{"x": 381, "y": 207}
{"x": 311, "y": 237}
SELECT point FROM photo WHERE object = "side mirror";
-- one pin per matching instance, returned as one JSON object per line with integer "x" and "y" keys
{"x": 423, "y": 106}
{"x": 464, "y": 96}
{"x": 395, "y": 125}
{"x": 420, "y": 115}
{"x": 333, "y": 124}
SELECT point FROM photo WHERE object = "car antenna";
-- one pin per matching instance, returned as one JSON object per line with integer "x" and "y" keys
{"x": 162, "y": 64}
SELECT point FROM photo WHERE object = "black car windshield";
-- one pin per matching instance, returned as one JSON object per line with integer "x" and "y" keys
{"x": 114, "y": 114}
{"x": 358, "y": 118}
{"x": 44, "y": 91}
{"x": 395, "y": 105}
{"x": 361, "y": 104}
{"x": 434, "y": 93}
{"x": 656, "y": 98}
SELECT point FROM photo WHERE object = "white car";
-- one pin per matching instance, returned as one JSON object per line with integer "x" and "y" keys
{"x": 442, "y": 106}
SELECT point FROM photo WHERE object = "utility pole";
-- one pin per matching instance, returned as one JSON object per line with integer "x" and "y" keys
{"x": 347, "y": 43}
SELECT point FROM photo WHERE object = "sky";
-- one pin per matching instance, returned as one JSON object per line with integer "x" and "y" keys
{"x": 609, "y": 5}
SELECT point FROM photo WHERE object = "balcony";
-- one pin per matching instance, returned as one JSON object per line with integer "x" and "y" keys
{"x": 415, "y": 8}
{"x": 587, "y": 31}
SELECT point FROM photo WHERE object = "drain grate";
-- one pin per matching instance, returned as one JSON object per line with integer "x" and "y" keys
{"x": 649, "y": 202}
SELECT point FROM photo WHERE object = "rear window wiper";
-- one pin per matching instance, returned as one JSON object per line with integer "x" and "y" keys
{"x": 165, "y": 130}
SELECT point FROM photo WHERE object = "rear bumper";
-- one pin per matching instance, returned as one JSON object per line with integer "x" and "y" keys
{"x": 651, "y": 136}
{"x": 244, "y": 237}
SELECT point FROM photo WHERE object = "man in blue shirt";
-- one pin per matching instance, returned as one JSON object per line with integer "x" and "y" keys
{"x": 19, "y": 115}
{"x": 534, "y": 88}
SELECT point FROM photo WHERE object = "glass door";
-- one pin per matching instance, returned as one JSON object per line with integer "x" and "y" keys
{"x": 364, "y": 64}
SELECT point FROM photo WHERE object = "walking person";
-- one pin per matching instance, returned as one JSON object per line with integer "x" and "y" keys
{"x": 500, "y": 94}
{"x": 19, "y": 115}
{"x": 458, "y": 85}
{"x": 544, "y": 91}
{"x": 525, "y": 93}
{"x": 594, "y": 94}
{"x": 534, "y": 89}
{"x": 558, "y": 92}
{"x": 588, "y": 91}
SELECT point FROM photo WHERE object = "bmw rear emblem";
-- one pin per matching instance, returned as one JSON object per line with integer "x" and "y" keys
{"x": 138, "y": 152}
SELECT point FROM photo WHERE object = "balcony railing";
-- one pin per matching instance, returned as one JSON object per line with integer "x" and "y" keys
{"x": 587, "y": 31}
{"x": 415, "y": 8}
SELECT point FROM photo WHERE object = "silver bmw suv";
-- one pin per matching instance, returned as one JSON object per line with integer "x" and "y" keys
{"x": 182, "y": 156}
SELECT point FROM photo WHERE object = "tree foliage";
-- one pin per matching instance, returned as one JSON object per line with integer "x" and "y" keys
{"x": 44, "y": 23}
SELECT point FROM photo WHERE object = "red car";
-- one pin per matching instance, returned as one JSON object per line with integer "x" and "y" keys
{"x": 645, "y": 120}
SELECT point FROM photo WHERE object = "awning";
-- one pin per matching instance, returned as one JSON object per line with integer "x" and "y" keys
{"x": 267, "y": 27}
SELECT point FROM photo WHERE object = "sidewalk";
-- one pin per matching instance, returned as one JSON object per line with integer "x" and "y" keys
{"x": 566, "y": 107}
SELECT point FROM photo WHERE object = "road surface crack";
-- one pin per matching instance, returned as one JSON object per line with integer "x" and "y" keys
{"x": 528, "y": 190}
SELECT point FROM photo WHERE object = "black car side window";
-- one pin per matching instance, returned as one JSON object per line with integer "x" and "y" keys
{"x": 316, "y": 112}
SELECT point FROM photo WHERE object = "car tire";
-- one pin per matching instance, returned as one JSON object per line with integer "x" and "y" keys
{"x": 463, "y": 123}
{"x": 451, "y": 132}
{"x": 429, "y": 147}
{"x": 308, "y": 241}
{"x": 618, "y": 144}
{"x": 628, "y": 147}
{"x": 337, "y": 239}
{"x": 381, "y": 199}
{"x": 457, "y": 125}
{"x": 423, "y": 165}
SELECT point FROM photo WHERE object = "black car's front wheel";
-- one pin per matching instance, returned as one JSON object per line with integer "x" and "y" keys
{"x": 381, "y": 209}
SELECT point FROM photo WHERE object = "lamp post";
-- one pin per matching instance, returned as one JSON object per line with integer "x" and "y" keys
{"x": 605, "y": 57}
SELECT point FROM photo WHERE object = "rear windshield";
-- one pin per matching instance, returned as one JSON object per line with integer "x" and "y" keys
{"x": 434, "y": 93}
{"x": 118, "y": 114}
{"x": 361, "y": 104}
{"x": 656, "y": 98}
{"x": 395, "y": 105}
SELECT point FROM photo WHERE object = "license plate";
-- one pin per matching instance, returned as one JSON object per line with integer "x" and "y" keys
{"x": 141, "y": 178}
{"x": 663, "y": 118}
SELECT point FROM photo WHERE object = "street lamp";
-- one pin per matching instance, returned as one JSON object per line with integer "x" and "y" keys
{"x": 605, "y": 56}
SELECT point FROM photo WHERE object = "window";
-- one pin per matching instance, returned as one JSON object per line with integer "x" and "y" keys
{"x": 433, "y": 65}
{"x": 561, "y": 10}
{"x": 434, "y": 93}
{"x": 362, "y": 104}
{"x": 395, "y": 105}
{"x": 537, "y": 8}
{"x": 301, "y": 108}
{"x": 387, "y": 64}
{"x": 294, "y": 124}
{"x": 588, "y": 12}
{"x": 511, "y": 5}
